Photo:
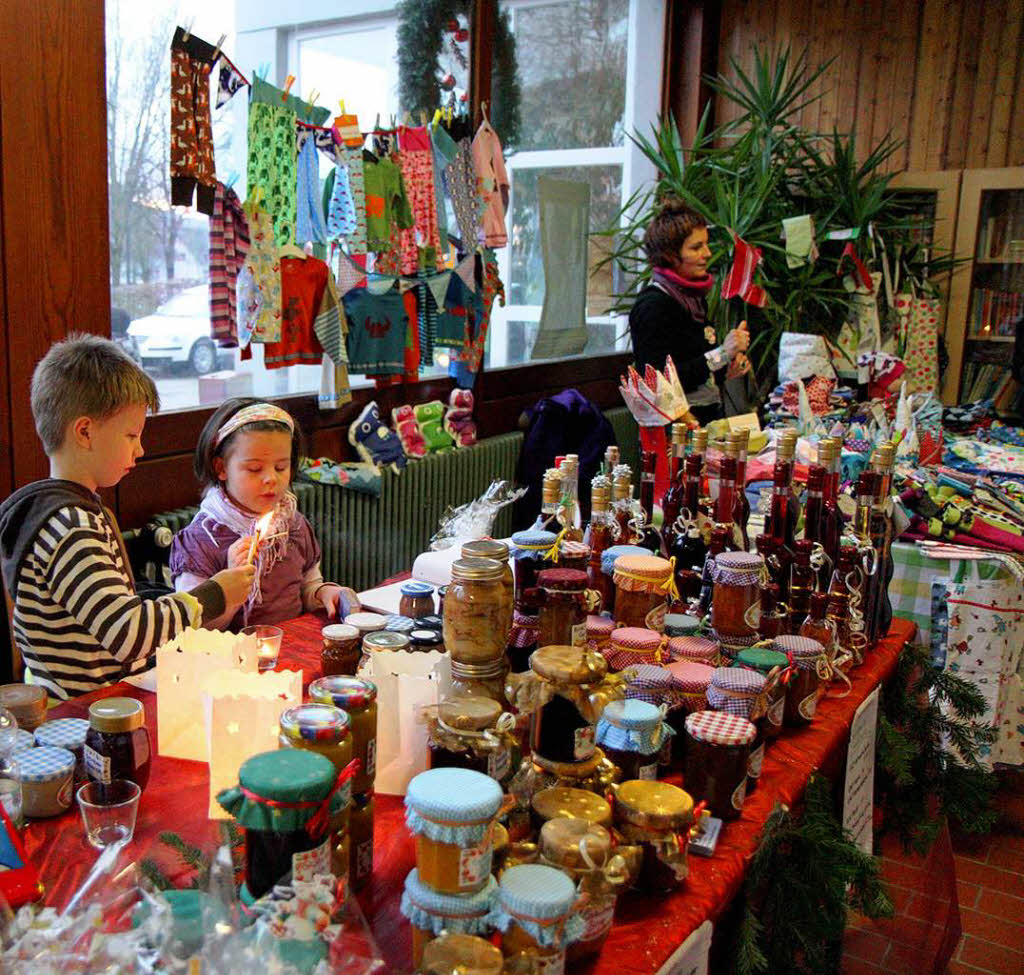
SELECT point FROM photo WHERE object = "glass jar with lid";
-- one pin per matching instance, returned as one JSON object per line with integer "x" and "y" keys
{"x": 657, "y": 816}
{"x": 341, "y": 651}
{"x": 717, "y": 749}
{"x": 692, "y": 679}
{"x": 358, "y": 699}
{"x": 531, "y": 553}
{"x": 644, "y": 585}
{"x": 489, "y": 548}
{"x": 426, "y": 641}
{"x": 366, "y": 622}
{"x": 536, "y": 912}
{"x": 808, "y": 681}
{"x": 117, "y": 744}
{"x": 633, "y": 645}
{"x": 385, "y": 641}
{"x": 470, "y": 731}
{"x": 482, "y": 680}
{"x": 466, "y": 954}
{"x": 562, "y": 619}
{"x": 573, "y": 555}
{"x": 477, "y": 618}
{"x": 771, "y": 665}
{"x": 69, "y": 733}
{"x": 633, "y": 734}
{"x": 417, "y": 599}
{"x": 561, "y": 800}
{"x": 739, "y": 691}
{"x": 735, "y": 599}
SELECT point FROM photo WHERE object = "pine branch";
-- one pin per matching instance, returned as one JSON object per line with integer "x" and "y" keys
{"x": 155, "y": 875}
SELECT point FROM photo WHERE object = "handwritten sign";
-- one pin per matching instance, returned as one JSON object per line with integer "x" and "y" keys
{"x": 691, "y": 957}
{"x": 859, "y": 796}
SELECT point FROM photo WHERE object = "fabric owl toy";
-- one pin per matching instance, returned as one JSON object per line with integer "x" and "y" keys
{"x": 374, "y": 441}
{"x": 408, "y": 431}
{"x": 458, "y": 421}
{"x": 430, "y": 416}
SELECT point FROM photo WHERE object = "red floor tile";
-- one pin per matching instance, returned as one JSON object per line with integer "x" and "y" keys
{"x": 999, "y": 904}
{"x": 967, "y": 894}
{"x": 854, "y": 966}
{"x": 959, "y": 968}
{"x": 926, "y": 908}
{"x": 996, "y": 958}
{"x": 1006, "y": 931}
{"x": 1007, "y": 853}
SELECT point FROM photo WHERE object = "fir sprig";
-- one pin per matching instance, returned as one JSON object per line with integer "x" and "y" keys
{"x": 192, "y": 857}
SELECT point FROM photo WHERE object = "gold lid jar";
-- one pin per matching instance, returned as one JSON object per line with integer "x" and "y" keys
{"x": 564, "y": 801}
{"x": 477, "y": 611}
{"x": 568, "y": 665}
{"x": 471, "y": 731}
{"x": 574, "y": 845}
{"x": 653, "y": 805}
{"x": 461, "y": 954}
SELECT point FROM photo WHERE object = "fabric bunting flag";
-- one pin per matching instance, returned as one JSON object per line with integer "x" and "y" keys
{"x": 862, "y": 275}
{"x": 740, "y": 279}
{"x": 229, "y": 80}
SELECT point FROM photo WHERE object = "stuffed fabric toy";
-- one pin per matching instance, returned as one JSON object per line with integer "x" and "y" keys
{"x": 408, "y": 431}
{"x": 458, "y": 421}
{"x": 430, "y": 416}
{"x": 374, "y": 442}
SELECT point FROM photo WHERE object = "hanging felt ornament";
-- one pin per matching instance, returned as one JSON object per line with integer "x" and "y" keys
{"x": 740, "y": 279}
{"x": 862, "y": 275}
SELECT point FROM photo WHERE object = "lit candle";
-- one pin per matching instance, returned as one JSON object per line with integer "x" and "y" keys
{"x": 267, "y": 651}
{"x": 261, "y": 529}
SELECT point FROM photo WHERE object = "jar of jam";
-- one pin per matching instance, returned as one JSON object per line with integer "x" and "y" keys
{"x": 632, "y": 645}
{"x": 531, "y": 553}
{"x": 484, "y": 680}
{"x": 366, "y": 622}
{"x": 284, "y": 801}
{"x": 680, "y": 624}
{"x": 656, "y": 816}
{"x": 771, "y": 665}
{"x": 693, "y": 680}
{"x": 417, "y": 600}
{"x": 27, "y": 702}
{"x": 644, "y": 584}
{"x": 342, "y": 649}
{"x": 466, "y": 954}
{"x": 581, "y": 775}
{"x": 717, "y": 749}
{"x": 536, "y": 911}
{"x": 432, "y": 913}
{"x": 599, "y": 633}
{"x": 472, "y": 732}
{"x": 583, "y": 852}
{"x": 358, "y": 699}
{"x": 385, "y": 641}
{"x": 489, "y": 548}
{"x": 477, "y": 617}
{"x": 562, "y": 620}
{"x": 738, "y": 691}
{"x": 426, "y": 641}
{"x": 361, "y": 836}
{"x": 734, "y": 600}
{"x": 695, "y": 648}
{"x": 633, "y": 734}
{"x": 117, "y": 744}
{"x": 573, "y": 555}
{"x": 608, "y": 557}
{"x": 450, "y": 811}
{"x": 806, "y": 685}
{"x": 566, "y": 801}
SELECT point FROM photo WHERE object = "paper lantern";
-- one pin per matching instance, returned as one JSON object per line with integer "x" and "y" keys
{"x": 181, "y": 666}
{"x": 241, "y": 714}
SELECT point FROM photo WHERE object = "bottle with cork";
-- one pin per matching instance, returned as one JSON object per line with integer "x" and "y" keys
{"x": 599, "y": 536}
{"x": 611, "y": 460}
{"x": 550, "y": 505}
{"x": 623, "y": 503}
{"x": 882, "y": 460}
{"x": 650, "y": 536}
{"x": 725, "y": 503}
{"x": 572, "y": 521}
{"x": 741, "y": 507}
{"x": 674, "y": 498}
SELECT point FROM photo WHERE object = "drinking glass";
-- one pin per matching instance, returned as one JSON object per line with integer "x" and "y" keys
{"x": 109, "y": 810}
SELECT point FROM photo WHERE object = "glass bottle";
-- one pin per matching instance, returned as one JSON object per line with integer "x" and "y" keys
{"x": 815, "y": 625}
{"x": 551, "y": 489}
{"x": 571, "y": 518}
{"x": 881, "y": 538}
{"x": 599, "y": 537}
{"x": 673, "y": 500}
{"x": 838, "y": 610}
{"x": 815, "y": 500}
{"x": 611, "y": 460}
{"x": 717, "y": 546}
{"x": 651, "y": 538}
{"x": 801, "y": 582}
{"x": 741, "y": 508}
{"x": 862, "y": 531}
{"x": 784, "y": 511}
{"x": 765, "y": 547}
{"x": 622, "y": 503}
{"x": 774, "y": 620}
{"x": 831, "y": 521}
{"x": 725, "y": 503}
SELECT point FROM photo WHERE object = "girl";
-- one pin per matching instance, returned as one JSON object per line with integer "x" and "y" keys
{"x": 244, "y": 462}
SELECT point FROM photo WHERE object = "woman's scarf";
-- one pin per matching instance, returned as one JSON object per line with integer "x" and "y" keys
{"x": 677, "y": 286}
{"x": 218, "y": 507}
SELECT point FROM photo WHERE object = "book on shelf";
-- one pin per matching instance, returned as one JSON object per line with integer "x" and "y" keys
{"x": 984, "y": 380}
{"x": 996, "y": 312}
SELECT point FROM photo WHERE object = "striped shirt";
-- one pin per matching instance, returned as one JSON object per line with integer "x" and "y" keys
{"x": 77, "y": 619}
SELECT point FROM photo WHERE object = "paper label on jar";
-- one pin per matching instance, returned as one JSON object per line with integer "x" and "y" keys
{"x": 305, "y": 866}
{"x": 97, "y": 765}
{"x": 648, "y": 771}
{"x": 808, "y": 706}
{"x": 371, "y": 757}
{"x": 583, "y": 743}
{"x": 475, "y": 864}
{"x": 655, "y": 619}
{"x": 549, "y": 964}
{"x": 364, "y": 858}
{"x": 739, "y": 794}
{"x": 775, "y": 712}
{"x": 579, "y": 635}
{"x": 498, "y": 762}
{"x": 754, "y": 762}
{"x": 596, "y": 920}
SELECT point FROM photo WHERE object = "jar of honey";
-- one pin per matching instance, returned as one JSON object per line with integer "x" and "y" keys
{"x": 634, "y": 735}
{"x": 417, "y": 599}
{"x": 472, "y": 732}
{"x": 461, "y": 954}
{"x": 431, "y": 912}
{"x": 734, "y": 600}
{"x": 656, "y": 816}
{"x": 562, "y": 620}
{"x": 477, "y": 615}
{"x": 566, "y": 801}
{"x": 536, "y": 911}
{"x": 644, "y": 584}
{"x": 450, "y": 811}
{"x": 358, "y": 699}
{"x": 342, "y": 649}
{"x": 807, "y": 684}
{"x": 738, "y": 691}
{"x": 361, "y": 835}
{"x": 631, "y": 645}
{"x": 772, "y": 665}
{"x": 717, "y": 749}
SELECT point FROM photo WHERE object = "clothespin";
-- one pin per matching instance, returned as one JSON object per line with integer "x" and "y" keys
{"x": 341, "y": 106}
{"x": 216, "y": 50}
{"x": 288, "y": 82}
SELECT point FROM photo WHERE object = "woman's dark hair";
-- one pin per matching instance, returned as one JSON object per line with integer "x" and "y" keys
{"x": 206, "y": 451}
{"x": 667, "y": 231}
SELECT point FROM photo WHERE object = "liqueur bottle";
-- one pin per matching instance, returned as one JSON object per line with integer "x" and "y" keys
{"x": 784, "y": 511}
{"x": 815, "y": 625}
{"x": 882, "y": 537}
{"x": 550, "y": 506}
{"x": 741, "y": 508}
{"x": 801, "y": 582}
{"x": 725, "y": 503}
{"x": 717, "y": 546}
{"x": 774, "y": 620}
{"x": 571, "y": 518}
{"x": 599, "y": 537}
{"x": 831, "y": 521}
{"x": 611, "y": 460}
{"x": 622, "y": 503}
{"x": 839, "y": 597}
{"x": 866, "y": 484}
{"x": 814, "y": 504}
{"x": 673, "y": 500}
{"x": 650, "y": 537}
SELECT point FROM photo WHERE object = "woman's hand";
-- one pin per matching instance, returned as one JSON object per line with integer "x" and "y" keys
{"x": 739, "y": 366}
{"x": 736, "y": 341}
{"x": 238, "y": 553}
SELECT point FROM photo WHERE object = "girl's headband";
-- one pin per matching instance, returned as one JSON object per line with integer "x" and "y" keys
{"x": 252, "y": 414}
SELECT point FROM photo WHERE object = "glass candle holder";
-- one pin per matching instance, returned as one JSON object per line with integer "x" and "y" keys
{"x": 268, "y": 644}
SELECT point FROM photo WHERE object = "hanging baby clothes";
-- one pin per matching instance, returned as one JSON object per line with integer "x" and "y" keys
{"x": 490, "y": 168}
{"x": 415, "y": 158}
{"x": 261, "y": 319}
{"x": 271, "y": 164}
{"x": 350, "y": 154}
{"x": 387, "y": 206}
{"x": 460, "y": 178}
{"x": 454, "y": 305}
{"x": 303, "y": 291}
{"x": 338, "y": 205}
{"x": 309, "y": 221}
{"x": 191, "y": 153}
{"x": 466, "y": 364}
{"x": 377, "y": 325}
{"x": 918, "y": 325}
{"x": 229, "y": 244}
{"x": 444, "y": 150}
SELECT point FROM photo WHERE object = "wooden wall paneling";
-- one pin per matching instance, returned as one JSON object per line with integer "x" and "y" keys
{"x": 56, "y": 247}
{"x": 926, "y": 83}
{"x": 793, "y": 29}
{"x": 826, "y": 41}
{"x": 991, "y": 19}
{"x": 691, "y": 53}
{"x": 868, "y": 64}
{"x": 1006, "y": 76}
{"x": 963, "y": 91}
{"x": 952, "y": 16}
{"x": 1015, "y": 150}
{"x": 846, "y": 71}
{"x": 907, "y": 17}
{"x": 6, "y": 452}
{"x": 885, "y": 71}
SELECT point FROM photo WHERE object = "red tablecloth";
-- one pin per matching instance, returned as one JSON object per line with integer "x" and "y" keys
{"x": 647, "y": 929}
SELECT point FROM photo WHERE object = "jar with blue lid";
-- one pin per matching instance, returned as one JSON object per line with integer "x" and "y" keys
{"x": 536, "y": 912}
{"x": 430, "y": 912}
{"x": 417, "y": 599}
{"x": 47, "y": 777}
{"x": 451, "y": 812}
{"x": 69, "y": 733}
{"x": 533, "y": 550}
{"x": 634, "y": 736}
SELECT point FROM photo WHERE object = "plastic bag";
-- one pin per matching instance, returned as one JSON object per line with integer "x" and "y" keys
{"x": 475, "y": 519}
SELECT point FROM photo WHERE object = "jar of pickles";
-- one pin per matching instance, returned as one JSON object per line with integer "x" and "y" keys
{"x": 477, "y": 615}
{"x": 472, "y": 732}
{"x": 656, "y": 816}
{"x": 461, "y": 954}
{"x": 342, "y": 649}
{"x": 450, "y": 812}
{"x": 417, "y": 599}
{"x": 738, "y": 691}
{"x": 489, "y": 548}
{"x": 717, "y": 749}
{"x": 563, "y": 608}
{"x": 531, "y": 551}
{"x": 360, "y": 831}
{"x": 734, "y": 600}
{"x": 566, "y": 801}
{"x": 644, "y": 584}
{"x": 771, "y": 665}
{"x": 634, "y": 735}
{"x": 358, "y": 699}
{"x": 807, "y": 683}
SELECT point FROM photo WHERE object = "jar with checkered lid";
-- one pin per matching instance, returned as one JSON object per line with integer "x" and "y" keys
{"x": 807, "y": 685}
{"x": 46, "y": 775}
{"x": 681, "y": 624}
{"x": 644, "y": 586}
{"x": 697, "y": 648}
{"x": 692, "y": 678}
{"x": 477, "y": 615}
{"x": 774, "y": 666}
{"x": 69, "y": 733}
{"x": 656, "y": 816}
{"x": 599, "y": 633}
{"x": 734, "y": 599}
{"x": 717, "y": 749}
{"x": 632, "y": 645}
{"x": 531, "y": 553}
{"x": 564, "y": 604}
{"x": 736, "y": 690}
{"x": 358, "y": 699}
{"x": 634, "y": 735}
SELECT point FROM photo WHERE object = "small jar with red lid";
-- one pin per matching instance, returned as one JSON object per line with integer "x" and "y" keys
{"x": 631, "y": 645}
{"x": 717, "y": 749}
{"x": 599, "y": 633}
{"x": 562, "y": 619}
{"x": 644, "y": 585}
{"x": 692, "y": 680}
{"x": 573, "y": 555}
{"x": 696, "y": 648}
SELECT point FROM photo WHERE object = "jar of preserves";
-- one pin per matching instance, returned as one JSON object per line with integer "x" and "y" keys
{"x": 426, "y": 641}
{"x": 632, "y": 645}
{"x": 808, "y": 681}
{"x": 417, "y": 599}
{"x": 27, "y": 702}
{"x": 400, "y": 624}
{"x": 599, "y": 633}
{"x": 385, "y": 641}
{"x": 738, "y": 691}
{"x": 366, "y": 622}
{"x": 734, "y": 600}
{"x": 284, "y": 802}
{"x": 533, "y": 551}
{"x": 360, "y": 832}
{"x": 644, "y": 585}
{"x": 680, "y": 624}
{"x": 656, "y": 816}
{"x": 717, "y": 749}
{"x": 536, "y": 912}
{"x": 566, "y": 801}
{"x": 489, "y": 548}
{"x": 432, "y": 912}
{"x": 562, "y": 619}
{"x": 465, "y": 954}
{"x": 573, "y": 555}
{"x": 583, "y": 852}
{"x": 608, "y": 557}
{"x": 470, "y": 731}
{"x": 117, "y": 744}
{"x": 484, "y": 680}
{"x": 633, "y": 734}
{"x": 46, "y": 775}
{"x": 477, "y": 618}
{"x": 358, "y": 699}
{"x": 450, "y": 811}
{"x": 695, "y": 648}
{"x": 771, "y": 665}
{"x": 582, "y": 775}
{"x": 342, "y": 649}
{"x": 69, "y": 733}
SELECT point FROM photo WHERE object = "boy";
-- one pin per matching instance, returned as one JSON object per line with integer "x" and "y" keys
{"x": 77, "y": 618}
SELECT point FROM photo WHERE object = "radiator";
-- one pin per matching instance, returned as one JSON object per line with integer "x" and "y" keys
{"x": 627, "y": 436}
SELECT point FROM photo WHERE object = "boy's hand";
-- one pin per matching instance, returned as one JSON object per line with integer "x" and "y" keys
{"x": 239, "y": 552}
{"x": 236, "y": 583}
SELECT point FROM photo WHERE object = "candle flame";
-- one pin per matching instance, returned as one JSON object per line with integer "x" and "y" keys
{"x": 262, "y": 526}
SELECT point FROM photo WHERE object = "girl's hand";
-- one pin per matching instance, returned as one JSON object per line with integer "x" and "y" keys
{"x": 238, "y": 553}
{"x": 354, "y": 606}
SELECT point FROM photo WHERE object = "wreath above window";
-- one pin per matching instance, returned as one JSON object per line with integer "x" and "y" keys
{"x": 424, "y": 86}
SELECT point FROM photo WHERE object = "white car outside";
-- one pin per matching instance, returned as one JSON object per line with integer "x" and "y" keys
{"x": 177, "y": 333}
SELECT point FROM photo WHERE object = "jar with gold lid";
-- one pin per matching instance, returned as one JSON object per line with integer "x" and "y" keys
{"x": 477, "y": 615}
{"x": 584, "y": 852}
{"x": 657, "y": 816}
{"x": 562, "y": 619}
{"x": 341, "y": 651}
{"x": 470, "y": 731}
{"x": 385, "y": 641}
{"x": 489, "y": 548}
{"x": 358, "y": 699}
{"x": 644, "y": 585}
{"x": 461, "y": 954}
{"x": 117, "y": 744}
{"x": 565, "y": 801}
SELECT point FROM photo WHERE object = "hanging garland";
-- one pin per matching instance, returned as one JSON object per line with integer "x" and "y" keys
{"x": 423, "y": 26}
